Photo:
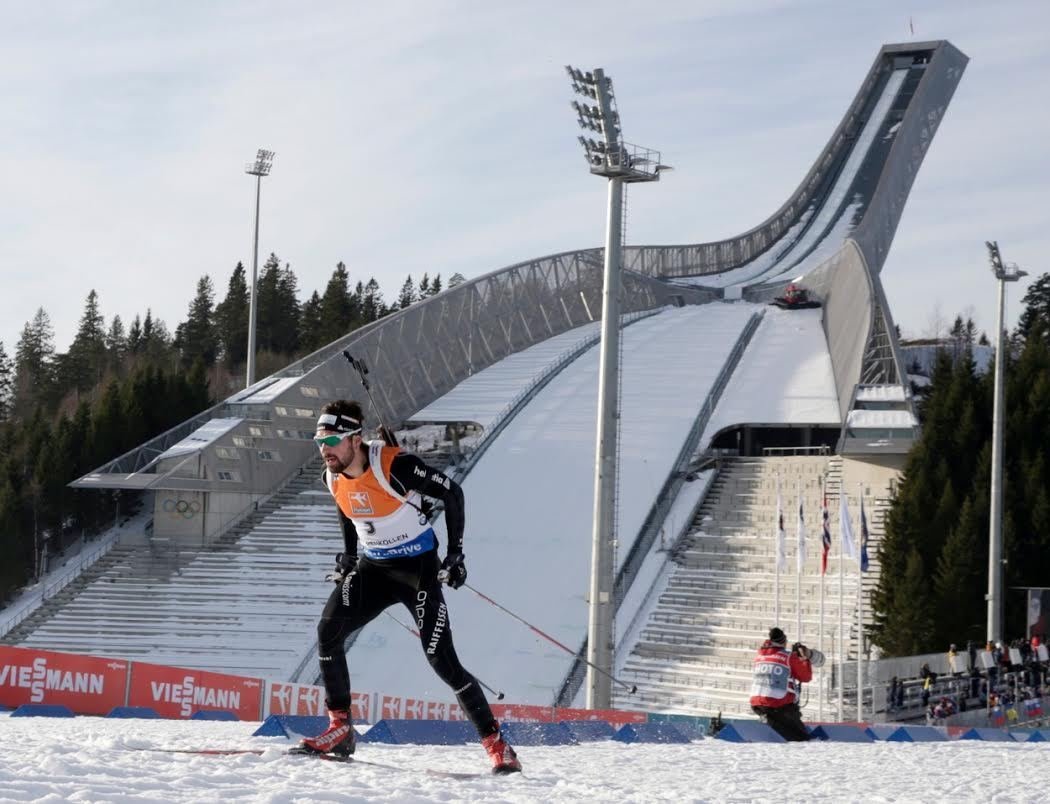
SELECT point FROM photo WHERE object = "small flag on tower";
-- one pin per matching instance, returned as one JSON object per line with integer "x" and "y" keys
{"x": 800, "y": 556}
{"x": 863, "y": 537}
{"x": 825, "y": 535}
{"x": 781, "y": 538}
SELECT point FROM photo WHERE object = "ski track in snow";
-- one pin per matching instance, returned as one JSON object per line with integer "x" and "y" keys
{"x": 99, "y": 760}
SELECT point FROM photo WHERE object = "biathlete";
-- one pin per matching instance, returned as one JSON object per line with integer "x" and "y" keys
{"x": 390, "y": 555}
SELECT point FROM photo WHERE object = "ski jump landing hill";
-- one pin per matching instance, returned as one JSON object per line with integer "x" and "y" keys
{"x": 225, "y": 576}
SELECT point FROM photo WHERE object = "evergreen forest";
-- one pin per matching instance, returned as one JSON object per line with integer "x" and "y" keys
{"x": 121, "y": 383}
{"x": 934, "y": 554}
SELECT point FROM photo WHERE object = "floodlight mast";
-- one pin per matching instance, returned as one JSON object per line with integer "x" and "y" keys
{"x": 259, "y": 168}
{"x": 613, "y": 159}
{"x": 1008, "y": 273}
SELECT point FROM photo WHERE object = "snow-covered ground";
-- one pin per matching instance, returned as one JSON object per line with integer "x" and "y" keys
{"x": 99, "y": 760}
{"x": 785, "y": 376}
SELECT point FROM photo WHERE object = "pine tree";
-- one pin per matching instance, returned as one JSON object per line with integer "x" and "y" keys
{"x": 196, "y": 337}
{"x": 310, "y": 338}
{"x": 435, "y": 285}
{"x": 960, "y": 573}
{"x": 424, "y": 287}
{"x": 116, "y": 344}
{"x": 288, "y": 295}
{"x": 407, "y": 295}
{"x": 338, "y": 312}
{"x": 86, "y": 361}
{"x": 910, "y": 612}
{"x": 231, "y": 319}
{"x": 268, "y": 306}
{"x": 372, "y": 307}
{"x": 156, "y": 341}
{"x": 1035, "y": 319}
{"x": 34, "y": 366}
{"x": 7, "y": 384}
{"x": 135, "y": 336}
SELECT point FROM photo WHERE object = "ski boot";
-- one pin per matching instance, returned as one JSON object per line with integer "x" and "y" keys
{"x": 504, "y": 760}
{"x": 339, "y": 738}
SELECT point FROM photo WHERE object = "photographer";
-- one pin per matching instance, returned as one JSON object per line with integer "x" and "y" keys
{"x": 774, "y": 689}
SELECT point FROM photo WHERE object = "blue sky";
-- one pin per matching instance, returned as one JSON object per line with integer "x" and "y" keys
{"x": 437, "y": 136}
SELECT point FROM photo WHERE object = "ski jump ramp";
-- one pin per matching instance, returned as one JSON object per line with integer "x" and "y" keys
{"x": 834, "y": 231}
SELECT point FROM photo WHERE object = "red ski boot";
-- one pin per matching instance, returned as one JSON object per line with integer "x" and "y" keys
{"x": 504, "y": 760}
{"x": 339, "y": 738}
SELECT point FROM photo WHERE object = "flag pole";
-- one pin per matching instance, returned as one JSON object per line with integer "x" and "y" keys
{"x": 823, "y": 568}
{"x": 799, "y": 557}
{"x": 776, "y": 558}
{"x": 842, "y": 608}
{"x": 860, "y": 614}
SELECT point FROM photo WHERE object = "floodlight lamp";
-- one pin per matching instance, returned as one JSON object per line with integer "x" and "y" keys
{"x": 262, "y": 165}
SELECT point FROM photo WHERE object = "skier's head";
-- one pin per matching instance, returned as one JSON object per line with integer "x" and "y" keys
{"x": 777, "y": 637}
{"x": 338, "y": 433}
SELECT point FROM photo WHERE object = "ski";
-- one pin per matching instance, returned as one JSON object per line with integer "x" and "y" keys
{"x": 209, "y": 752}
{"x": 352, "y": 760}
{"x": 296, "y": 752}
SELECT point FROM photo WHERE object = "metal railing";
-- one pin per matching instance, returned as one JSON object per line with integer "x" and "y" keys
{"x": 9, "y": 620}
{"x": 523, "y": 397}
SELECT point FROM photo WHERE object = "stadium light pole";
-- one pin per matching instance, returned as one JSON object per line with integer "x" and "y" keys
{"x": 259, "y": 168}
{"x": 619, "y": 162}
{"x": 1007, "y": 273}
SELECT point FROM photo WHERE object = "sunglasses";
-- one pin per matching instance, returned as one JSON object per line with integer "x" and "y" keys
{"x": 334, "y": 439}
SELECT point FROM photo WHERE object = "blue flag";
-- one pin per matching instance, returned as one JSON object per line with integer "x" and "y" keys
{"x": 825, "y": 536}
{"x": 863, "y": 538}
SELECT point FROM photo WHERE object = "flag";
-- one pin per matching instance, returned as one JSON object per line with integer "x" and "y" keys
{"x": 911, "y": 26}
{"x": 997, "y": 716}
{"x": 863, "y": 537}
{"x": 801, "y": 554}
{"x": 845, "y": 528}
{"x": 781, "y": 546}
{"x": 825, "y": 535}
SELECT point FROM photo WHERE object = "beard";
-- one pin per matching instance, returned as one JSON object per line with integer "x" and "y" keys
{"x": 333, "y": 464}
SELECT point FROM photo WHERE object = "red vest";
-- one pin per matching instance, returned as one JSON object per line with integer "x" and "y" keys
{"x": 777, "y": 673}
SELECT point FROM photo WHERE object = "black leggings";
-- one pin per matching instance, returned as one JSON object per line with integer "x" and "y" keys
{"x": 785, "y": 721}
{"x": 363, "y": 595}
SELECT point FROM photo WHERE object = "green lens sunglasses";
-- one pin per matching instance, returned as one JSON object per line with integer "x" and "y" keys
{"x": 334, "y": 439}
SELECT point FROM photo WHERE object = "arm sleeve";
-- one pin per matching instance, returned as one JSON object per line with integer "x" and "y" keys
{"x": 801, "y": 668}
{"x": 349, "y": 533}
{"x": 411, "y": 474}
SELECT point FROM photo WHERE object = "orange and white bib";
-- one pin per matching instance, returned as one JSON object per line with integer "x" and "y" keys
{"x": 388, "y": 525}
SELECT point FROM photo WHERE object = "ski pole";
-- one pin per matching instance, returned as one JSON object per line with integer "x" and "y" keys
{"x": 632, "y": 688}
{"x": 414, "y": 632}
{"x": 362, "y": 372}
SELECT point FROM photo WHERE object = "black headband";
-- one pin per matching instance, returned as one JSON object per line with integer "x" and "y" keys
{"x": 339, "y": 422}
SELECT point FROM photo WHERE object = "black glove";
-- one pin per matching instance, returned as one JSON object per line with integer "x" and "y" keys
{"x": 801, "y": 650}
{"x": 345, "y": 563}
{"x": 453, "y": 570}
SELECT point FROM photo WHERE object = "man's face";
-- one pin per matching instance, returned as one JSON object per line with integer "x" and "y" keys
{"x": 339, "y": 456}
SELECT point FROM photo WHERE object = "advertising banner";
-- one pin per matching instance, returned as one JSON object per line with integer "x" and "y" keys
{"x": 88, "y": 685}
{"x": 305, "y": 699}
{"x": 178, "y": 693}
{"x": 1039, "y": 612}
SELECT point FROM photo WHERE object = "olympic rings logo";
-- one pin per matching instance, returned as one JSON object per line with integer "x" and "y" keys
{"x": 187, "y": 509}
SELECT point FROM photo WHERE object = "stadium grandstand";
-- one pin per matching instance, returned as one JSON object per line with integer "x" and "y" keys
{"x": 728, "y": 403}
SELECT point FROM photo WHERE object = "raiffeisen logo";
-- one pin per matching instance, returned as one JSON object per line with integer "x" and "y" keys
{"x": 188, "y": 695}
{"x": 38, "y": 679}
